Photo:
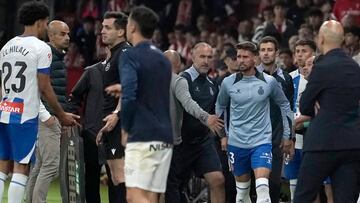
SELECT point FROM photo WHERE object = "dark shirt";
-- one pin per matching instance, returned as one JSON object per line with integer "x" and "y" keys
{"x": 335, "y": 84}
{"x": 204, "y": 91}
{"x": 111, "y": 76}
{"x": 287, "y": 86}
{"x": 145, "y": 102}
{"x": 57, "y": 78}
{"x": 89, "y": 89}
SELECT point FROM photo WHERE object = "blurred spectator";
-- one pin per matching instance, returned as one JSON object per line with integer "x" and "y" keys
{"x": 286, "y": 58}
{"x": 184, "y": 13}
{"x": 204, "y": 36}
{"x": 171, "y": 38}
{"x": 318, "y": 3}
{"x": 90, "y": 8}
{"x": 351, "y": 41}
{"x": 326, "y": 8}
{"x": 245, "y": 31}
{"x": 263, "y": 4}
{"x": 117, "y": 5}
{"x": 315, "y": 18}
{"x": 230, "y": 36}
{"x": 202, "y": 22}
{"x": 180, "y": 40}
{"x": 86, "y": 39}
{"x": 75, "y": 64}
{"x": 305, "y": 32}
{"x": 213, "y": 39}
{"x": 100, "y": 47}
{"x": 347, "y": 12}
{"x": 297, "y": 12}
{"x": 230, "y": 60}
{"x": 268, "y": 15}
{"x": 158, "y": 40}
{"x": 292, "y": 42}
{"x": 282, "y": 29}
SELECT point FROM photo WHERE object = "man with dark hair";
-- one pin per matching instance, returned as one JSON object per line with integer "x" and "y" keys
{"x": 351, "y": 44}
{"x": 268, "y": 51}
{"x": 114, "y": 36}
{"x": 86, "y": 39}
{"x": 25, "y": 62}
{"x": 280, "y": 28}
{"x": 314, "y": 18}
{"x": 304, "y": 49}
{"x": 249, "y": 144}
{"x": 145, "y": 114}
{"x": 48, "y": 146}
{"x": 286, "y": 58}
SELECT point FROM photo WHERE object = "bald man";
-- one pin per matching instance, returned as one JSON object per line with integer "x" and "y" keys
{"x": 48, "y": 146}
{"x": 332, "y": 142}
{"x": 197, "y": 151}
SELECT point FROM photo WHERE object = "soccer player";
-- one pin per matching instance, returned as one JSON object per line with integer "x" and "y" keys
{"x": 145, "y": 113}
{"x": 304, "y": 49}
{"x": 25, "y": 62}
{"x": 249, "y": 145}
{"x": 48, "y": 145}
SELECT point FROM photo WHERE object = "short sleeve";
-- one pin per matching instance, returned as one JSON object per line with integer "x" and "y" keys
{"x": 44, "y": 59}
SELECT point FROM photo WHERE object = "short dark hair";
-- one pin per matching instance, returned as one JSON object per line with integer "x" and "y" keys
{"x": 120, "y": 19}
{"x": 32, "y": 11}
{"x": 315, "y": 12}
{"x": 249, "y": 46}
{"x": 146, "y": 19}
{"x": 353, "y": 30}
{"x": 270, "y": 39}
{"x": 286, "y": 51}
{"x": 280, "y": 3}
{"x": 303, "y": 42}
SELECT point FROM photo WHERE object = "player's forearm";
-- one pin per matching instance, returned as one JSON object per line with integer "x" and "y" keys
{"x": 50, "y": 97}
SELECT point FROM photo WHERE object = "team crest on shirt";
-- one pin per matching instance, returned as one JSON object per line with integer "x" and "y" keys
{"x": 261, "y": 90}
{"x": 197, "y": 89}
{"x": 107, "y": 67}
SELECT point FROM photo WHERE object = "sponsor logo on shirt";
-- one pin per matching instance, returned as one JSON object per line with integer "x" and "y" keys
{"x": 12, "y": 107}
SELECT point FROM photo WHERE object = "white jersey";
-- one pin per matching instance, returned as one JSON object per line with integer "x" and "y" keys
{"x": 299, "y": 87}
{"x": 21, "y": 59}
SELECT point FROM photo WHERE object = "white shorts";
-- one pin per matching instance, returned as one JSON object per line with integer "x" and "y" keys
{"x": 147, "y": 165}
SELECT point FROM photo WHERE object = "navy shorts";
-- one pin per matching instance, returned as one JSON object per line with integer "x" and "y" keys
{"x": 199, "y": 158}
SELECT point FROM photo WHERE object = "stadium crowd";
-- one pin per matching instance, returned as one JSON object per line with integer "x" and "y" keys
{"x": 212, "y": 52}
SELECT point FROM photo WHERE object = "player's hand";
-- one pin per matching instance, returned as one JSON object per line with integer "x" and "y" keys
{"x": 286, "y": 146}
{"x": 214, "y": 123}
{"x": 114, "y": 90}
{"x": 99, "y": 137}
{"x": 69, "y": 119}
{"x": 223, "y": 142}
{"x": 111, "y": 121}
{"x": 124, "y": 137}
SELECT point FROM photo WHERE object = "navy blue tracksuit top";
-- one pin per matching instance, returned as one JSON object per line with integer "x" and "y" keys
{"x": 145, "y": 106}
